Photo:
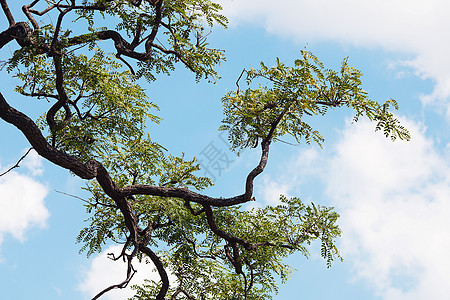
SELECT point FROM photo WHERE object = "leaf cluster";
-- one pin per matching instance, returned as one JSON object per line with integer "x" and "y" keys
{"x": 142, "y": 163}
{"x": 291, "y": 94}
{"x": 109, "y": 109}
{"x": 197, "y": 258}
{"x": 179, "y": 27}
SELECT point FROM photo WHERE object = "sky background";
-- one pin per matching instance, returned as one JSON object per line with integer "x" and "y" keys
{"x": 393, "y": 198}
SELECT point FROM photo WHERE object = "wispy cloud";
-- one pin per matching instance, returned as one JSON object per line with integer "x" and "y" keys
{"x": 270, "y": 191}
{"x": 394, "y": 204}
{"x": 417, "y": 28}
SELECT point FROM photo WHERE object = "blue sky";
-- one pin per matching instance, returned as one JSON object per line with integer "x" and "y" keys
{"x": 394, "y": 198}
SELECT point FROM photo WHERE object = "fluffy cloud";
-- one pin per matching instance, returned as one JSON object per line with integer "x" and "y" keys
{"x": 393, "y": 198}
{"x": 417, "y": 28}
{"x": 394, "y": 204}
{"x": 22, "y": 200}
{"x": 298, "y": 171}
{"x": 33, "y": 163}
{"x": 271, "y": 190}
{"x": 104, "y": 272}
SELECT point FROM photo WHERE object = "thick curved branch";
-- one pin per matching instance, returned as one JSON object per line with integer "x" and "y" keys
{"x": 182, "y": 193}
{"x": 121, "y": 45}
{"x": 264, "y": 156}
{"x": 34, "y": 136}
{"x": 161, "y": 271}
{"x": 125, "y": 48}
{"x": 234, "y": 258}
{"x": 93, "y": 169}
{"x": 20, "y": 31}
{"x": 62, "y": 99}
{"x": 225, "y": 235}
{"x": 7, "y": 12}
{"x": 257, "y": 170}
{"x": 190, "y": 196}
{"x": 158, "y": 17}
{"x": 27, "y": 11}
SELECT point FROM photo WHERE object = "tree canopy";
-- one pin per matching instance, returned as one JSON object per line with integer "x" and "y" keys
{"x": 89, "y": 66}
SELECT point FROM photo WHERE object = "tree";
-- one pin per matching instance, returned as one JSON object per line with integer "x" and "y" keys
{"x": 143, "y": 197}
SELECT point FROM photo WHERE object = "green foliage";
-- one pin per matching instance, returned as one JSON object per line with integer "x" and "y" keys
{"x": 108, "y": 225}
{"x": 196, "y": 257}
{"x": 110, "y": 109}
{"x": 142, "y": 163}
{"x": 184, "y": 31}
{"x": 103, "y": 117}
{"x": 306, "y": 89}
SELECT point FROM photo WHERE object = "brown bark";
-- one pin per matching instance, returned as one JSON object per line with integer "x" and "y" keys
{"x": 23, "y": 34}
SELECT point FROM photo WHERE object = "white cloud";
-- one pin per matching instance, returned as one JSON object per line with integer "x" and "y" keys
{"x": 22, "y": 201}
{"x": 394, "y": 204}
{"x": 104, "y": 272}
{"x": 296, "y": 173}
{"x": 417, "y": 28}
{"x": 271, "y": 190}
{"x": 33, "y": 163}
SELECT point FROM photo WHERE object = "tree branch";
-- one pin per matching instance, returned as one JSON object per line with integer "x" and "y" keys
{"x": 158, "y": 17}
{"x": 195, "y": 250}
{"x": 86, "y": 201}
{"x": 161, "y": 270}
{"x": 130, "y": 273}
{"x": 62, "y": 100}
{"x": 34, "y": 136}
{"x": 27, "y": 11}
{"x": 17, "y": 163}
{"x": 20, "y": 31}
{"x": 93, "y": 169}
{"x": 225, "y": 235}
{"x": 7, "y": 12}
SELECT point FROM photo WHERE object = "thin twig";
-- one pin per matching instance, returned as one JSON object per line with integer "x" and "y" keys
{"x": 84, "y": 200}
{"x": 17, "y": 164}
{"x": 73, "y": 196}
{"x": 130, "y": 273}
